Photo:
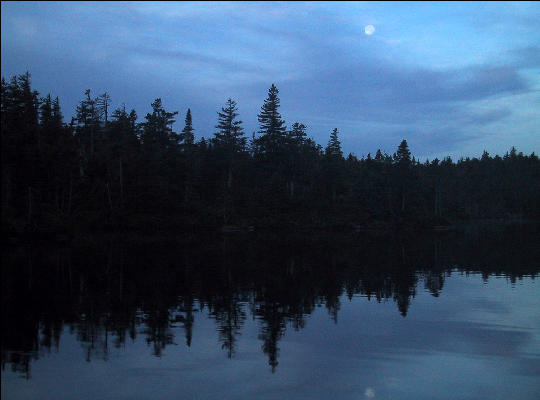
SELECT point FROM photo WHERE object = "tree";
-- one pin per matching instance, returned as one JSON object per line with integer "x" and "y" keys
{"x": 333, "y": 166}
{"x": 57, "y": 117}
{"x": 157, "y": 131}
{"x": 123, "y": 150}
{"x": 87, "y": 128}
{"x": 230, "y": 132}
{"x": 272, "y": 127}
{"x": 333, "y": 149}
{"x": 297, "y": 134}
{"x": 103, "y": 103}
{"x": 403, "y": 156}
{"x": 404, "y": 176}
{"x": 229, "y": 138}
{"x": 187, "y": 135}
{"x": 46, "y": 110}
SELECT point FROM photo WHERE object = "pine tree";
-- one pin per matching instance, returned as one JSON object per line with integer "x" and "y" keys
{"x": 45, "y": 111}
{"x": 123, "y": 146}
{"x": 87, "y": 126}
{"x": 230, "y": 133}
{"x": 50, "y": 124}
{"x": 87, "y": 112}
{"x": 403, "y": 176}
{"x": 333, "y": 149}
{"x": 403, "y": 155}
{"x": 103, "y": 103}
{"x": 333, "y": 168}
{"x": 187, "y": 135}
{"x": 29, "y": 100}
{"x": 272, "y": 127}
{"x": 57, "y": 117}
{"x": 298, "y": 134}
{"x": 158, "y": 127}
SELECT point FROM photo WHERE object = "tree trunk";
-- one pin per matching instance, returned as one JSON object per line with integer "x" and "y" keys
{"x": 91, "y": 142}
{"x": 70, "y": 194}
{"x": 6, "y": 188}
{"x": 121, "y": 173}
{"x": 29, "y": 204}
{"x": 109, "y": 196}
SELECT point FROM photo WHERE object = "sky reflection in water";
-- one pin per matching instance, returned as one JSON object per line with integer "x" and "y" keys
{"x": 478, "y": 338}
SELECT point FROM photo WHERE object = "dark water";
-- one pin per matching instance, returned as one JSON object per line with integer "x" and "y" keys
{"x": 453, "y": 316}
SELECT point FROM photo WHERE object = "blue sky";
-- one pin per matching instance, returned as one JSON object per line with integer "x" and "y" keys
{"x": 451, "y": 78}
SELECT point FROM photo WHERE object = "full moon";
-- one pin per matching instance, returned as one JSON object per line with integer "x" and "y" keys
{"x": 369, "y": 29}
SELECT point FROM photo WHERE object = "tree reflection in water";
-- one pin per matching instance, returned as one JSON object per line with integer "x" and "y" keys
{"x": 110, "y": 290}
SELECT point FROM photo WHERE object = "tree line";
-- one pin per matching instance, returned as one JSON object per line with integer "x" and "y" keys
{"x": 105, "y": 170}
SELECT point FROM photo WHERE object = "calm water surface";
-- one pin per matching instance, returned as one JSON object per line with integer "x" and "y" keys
{"x": 326, "y": 317}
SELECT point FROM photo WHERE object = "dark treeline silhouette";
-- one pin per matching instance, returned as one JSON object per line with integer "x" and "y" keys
{"x": 105, "y": 170}
{"x": 108, "y": 292}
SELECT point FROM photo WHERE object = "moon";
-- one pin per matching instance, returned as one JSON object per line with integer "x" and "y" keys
{"x": 369, "y": 29}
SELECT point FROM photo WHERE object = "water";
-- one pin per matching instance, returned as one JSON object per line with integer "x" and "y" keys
{"x": 272, "y": 317}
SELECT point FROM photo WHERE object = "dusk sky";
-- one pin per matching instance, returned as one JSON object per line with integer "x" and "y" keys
{"x": 452, "y": 78}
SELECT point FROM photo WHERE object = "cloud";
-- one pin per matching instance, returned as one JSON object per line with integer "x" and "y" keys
{"x": 526, "y": 57}
{"x": 330, "y": 74}
{"x": 433, "y": 108}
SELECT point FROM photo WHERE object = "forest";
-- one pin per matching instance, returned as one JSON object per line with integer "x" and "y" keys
{"x": 105, "y": 171}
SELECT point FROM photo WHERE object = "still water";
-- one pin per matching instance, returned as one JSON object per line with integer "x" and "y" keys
{"x": 452, "y": 316}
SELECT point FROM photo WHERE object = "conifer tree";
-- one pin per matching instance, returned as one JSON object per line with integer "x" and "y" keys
{"x": 158, "y": 127}
{"x": 87, "y": 127}
{"x": 57, "y": 117}
{"x": 103, "y": 103}
{"x": 269, "y": 117}
{"x": 230, "y": 132}
{"x": 298, "y": 133}
{"x": 45, "y": 111}
{"x": 272, "y": 127}
{"x": 403, "y": 154}
{"x": 187, "y": 135}
{"x": 403, "y": 175}
{"x": 229, "y": 138}
{"x": 333, "y": 149}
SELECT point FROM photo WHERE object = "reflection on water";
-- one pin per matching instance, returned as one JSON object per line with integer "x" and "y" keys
{"x": 111, "y": 295}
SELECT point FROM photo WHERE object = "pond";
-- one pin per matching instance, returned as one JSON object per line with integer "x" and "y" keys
{"x": 305, "y": 316}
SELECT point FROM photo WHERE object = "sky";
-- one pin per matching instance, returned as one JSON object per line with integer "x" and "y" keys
{"x": 453, "y": 79}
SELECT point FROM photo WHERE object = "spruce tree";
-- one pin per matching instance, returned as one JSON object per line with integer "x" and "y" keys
{"x": 187, "y": 135}
{"x": 228, "y": 138}
{"x": 158, "y": 127}
{"x": 45, "y": 111}
{"x": 403, "y": 154}
{"x": 272, "y": 127}
{"x": 269, "y": 117}
{"x": 298, "y": 134}
{"x": 57, "y": 117}
{"x": 333, "y": 149}
{"x": 403, "y": 177}
{"x": 230, "y": 132}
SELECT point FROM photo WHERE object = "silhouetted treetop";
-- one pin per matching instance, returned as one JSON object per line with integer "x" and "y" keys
{"x": 403, "y": 155}
{"x": 333, "y": 149}
{"x": 230, "y": 132}
{"x": 187, "y": 136}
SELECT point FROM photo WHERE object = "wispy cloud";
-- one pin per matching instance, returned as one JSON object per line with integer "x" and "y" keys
{"x": 445, "y": 75}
